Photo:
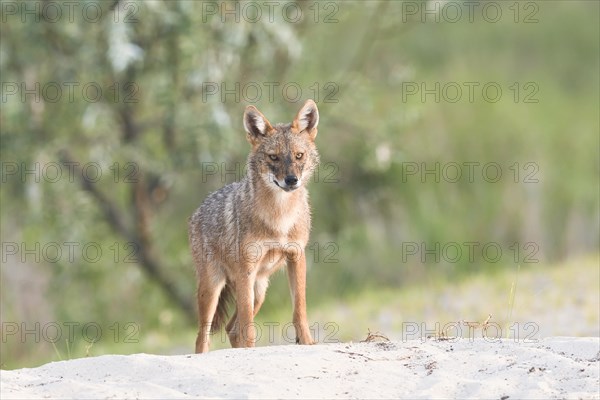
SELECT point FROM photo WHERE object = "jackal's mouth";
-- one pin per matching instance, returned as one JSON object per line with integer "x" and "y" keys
{"x": 286, "y": 187}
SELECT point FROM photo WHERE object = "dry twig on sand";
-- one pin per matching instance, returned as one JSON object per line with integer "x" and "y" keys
{"x": 371, "y": 337}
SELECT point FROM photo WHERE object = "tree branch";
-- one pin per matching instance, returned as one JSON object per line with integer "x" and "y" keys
{"x": 142, "y": 242}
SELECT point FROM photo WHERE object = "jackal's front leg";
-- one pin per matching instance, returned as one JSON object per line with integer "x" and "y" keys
{"x": 260, "y": 290}
{"x": 297, "y": 281}
{"x": 244, "y": 288}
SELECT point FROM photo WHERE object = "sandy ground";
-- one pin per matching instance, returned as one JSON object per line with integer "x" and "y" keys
{"x": 559, "y": 367}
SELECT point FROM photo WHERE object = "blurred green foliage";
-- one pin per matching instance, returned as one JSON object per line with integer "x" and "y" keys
{"x": 158, "y": 130}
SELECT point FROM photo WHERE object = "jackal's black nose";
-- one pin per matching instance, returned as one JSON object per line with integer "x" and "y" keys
{"x": 291, "y": 180}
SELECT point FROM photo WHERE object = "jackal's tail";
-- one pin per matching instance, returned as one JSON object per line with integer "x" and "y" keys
{"x": 222, "y": 313}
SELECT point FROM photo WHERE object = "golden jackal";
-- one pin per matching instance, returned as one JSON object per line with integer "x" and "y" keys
{"x": 245, "y": 231}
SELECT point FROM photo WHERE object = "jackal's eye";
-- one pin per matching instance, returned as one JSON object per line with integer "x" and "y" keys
{"x": 299, "y": 156}
{"x": 273, "y": 157}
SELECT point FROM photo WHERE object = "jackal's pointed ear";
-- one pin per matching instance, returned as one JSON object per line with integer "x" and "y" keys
{"x": 307, "y": 119}
{"x": 256, "y": 125}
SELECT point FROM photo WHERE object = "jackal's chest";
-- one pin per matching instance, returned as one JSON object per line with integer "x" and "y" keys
{"x": 283, "y": 220}
{"x": 280, "y": 239}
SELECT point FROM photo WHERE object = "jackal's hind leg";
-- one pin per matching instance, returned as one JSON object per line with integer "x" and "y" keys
{"x": 208, "y": 299}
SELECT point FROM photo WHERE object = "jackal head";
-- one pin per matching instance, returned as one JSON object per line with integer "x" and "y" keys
{"x": 284, "y": 155}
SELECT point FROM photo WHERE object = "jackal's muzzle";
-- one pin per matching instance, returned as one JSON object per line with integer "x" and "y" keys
{"x": 291, "y": 182}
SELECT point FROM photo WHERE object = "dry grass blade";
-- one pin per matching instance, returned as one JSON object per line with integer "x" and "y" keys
{"x": 371, "y": 337}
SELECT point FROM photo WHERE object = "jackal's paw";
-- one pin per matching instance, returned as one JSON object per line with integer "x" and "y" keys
{"x": 305, "y": 341}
